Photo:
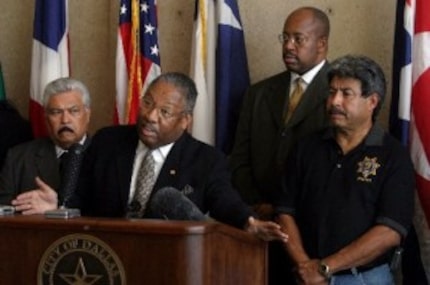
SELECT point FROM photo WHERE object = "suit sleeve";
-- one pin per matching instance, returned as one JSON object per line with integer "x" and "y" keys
{"x": 8, "y": 189}
{"x": 224, "y": 202}
{"x": 240, "y": 160}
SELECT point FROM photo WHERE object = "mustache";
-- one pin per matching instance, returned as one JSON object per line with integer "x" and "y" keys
{"x": 336, "y": 111}
{"x": 147, "y": 124}
{"x": 289, "y": 54}
{"x": 65, "y": 129}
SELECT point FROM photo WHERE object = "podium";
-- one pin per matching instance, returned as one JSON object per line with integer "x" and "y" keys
{"x": 39, "y": 250}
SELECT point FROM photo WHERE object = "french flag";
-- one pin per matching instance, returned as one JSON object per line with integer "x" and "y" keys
{"x": 409, "y": 117}
{"x": 50, "y": 55}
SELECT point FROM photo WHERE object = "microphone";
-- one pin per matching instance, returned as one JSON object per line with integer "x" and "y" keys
{"x": 69, "y": 180}
{"x": 70, "y": 173}
{"x": 170, "y": 204}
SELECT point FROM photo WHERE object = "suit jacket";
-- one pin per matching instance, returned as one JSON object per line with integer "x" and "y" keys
{"x": 23, "y": 163}
{"x": 26, "y": 161}
{"x": 18, "y": 129}
{"x": 263, "y": 141}
{"x": 198, "y": 170}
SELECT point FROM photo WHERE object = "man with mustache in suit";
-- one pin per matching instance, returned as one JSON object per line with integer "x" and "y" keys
{"x": 30, "y": 177}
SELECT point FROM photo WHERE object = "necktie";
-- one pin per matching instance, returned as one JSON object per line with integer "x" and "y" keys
{"x": 294, "y": 98}
{"x": 144, "y": 183}
{"x": 70, "y": 165}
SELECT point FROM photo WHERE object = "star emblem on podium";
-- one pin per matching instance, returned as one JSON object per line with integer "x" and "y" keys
{"x": 80, "y": 276}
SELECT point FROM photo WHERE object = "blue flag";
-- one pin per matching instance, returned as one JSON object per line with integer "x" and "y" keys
{"x": 402, "y": 58}
{"x": 220, "y": 69}
{"x": 232, "y": 76}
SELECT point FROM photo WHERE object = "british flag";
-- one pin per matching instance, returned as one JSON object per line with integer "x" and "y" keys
{"x": 137, "y": 58}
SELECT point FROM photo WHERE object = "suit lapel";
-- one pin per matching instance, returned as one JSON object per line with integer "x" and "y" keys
{"x": 313, "y": 96}
{"x": 124, "y": 161}
{"x": 169, "y": 173}
{"x": 278, "y": 98}
{"x": 47, "y": 164}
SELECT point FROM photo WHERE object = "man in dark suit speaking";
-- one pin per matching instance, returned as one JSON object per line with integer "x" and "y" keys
{"x": 125, "y": 166}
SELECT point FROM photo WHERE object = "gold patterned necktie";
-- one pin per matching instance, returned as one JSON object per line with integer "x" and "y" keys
{"x": 294, "y": 98}
{"x": 144, "y": 183}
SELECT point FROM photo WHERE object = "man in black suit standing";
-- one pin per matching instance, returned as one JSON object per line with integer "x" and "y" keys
{"x": 273, "y": 118}
{"x": 30, "y": 177}
{"x": 110, "y": 183}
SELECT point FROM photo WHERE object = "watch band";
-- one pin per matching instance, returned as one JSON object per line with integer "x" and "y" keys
{"x": 324, "y": 270}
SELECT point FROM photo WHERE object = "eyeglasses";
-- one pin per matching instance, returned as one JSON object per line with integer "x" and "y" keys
{"x": 74, "y": 111}
{"x": 164, "y": 112}
{"x": 297, "y": 40}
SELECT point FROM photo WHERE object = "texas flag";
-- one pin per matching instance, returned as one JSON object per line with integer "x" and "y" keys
{"x": 409, "y": 118}
{"x": 50, "y": 55}
{"x": 137, "y": 57}
{"x": 220, "y": 69}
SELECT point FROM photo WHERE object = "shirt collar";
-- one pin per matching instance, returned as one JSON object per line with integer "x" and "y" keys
{"x": 308, "y": 76}
{"x": 375, "y": 137}
{"x": 59, "y": 151}
{"x": 159, "y": 154}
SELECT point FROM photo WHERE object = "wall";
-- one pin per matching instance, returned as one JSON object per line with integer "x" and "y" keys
{"x": 364, "y": 27}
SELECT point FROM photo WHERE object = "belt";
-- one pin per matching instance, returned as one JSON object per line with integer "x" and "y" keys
{"x": 359, "y": 269}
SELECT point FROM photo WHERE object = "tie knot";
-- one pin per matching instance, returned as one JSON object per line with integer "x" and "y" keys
{"x": 76, "y": 148}
{"x": 294, "y": 99}
{"x": 298, "y": 83}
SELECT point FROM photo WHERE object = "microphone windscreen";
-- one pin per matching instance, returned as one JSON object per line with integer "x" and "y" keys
{"x": 170, "y": 204}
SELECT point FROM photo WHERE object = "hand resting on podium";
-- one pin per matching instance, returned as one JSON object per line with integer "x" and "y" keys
{"x": 36, "y": 201}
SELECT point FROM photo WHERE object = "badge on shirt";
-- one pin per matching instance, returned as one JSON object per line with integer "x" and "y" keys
{"x": 366, "y": 168}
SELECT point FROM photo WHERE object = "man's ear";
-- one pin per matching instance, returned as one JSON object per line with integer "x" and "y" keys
{"x": 373, "y": 100}
{"x": 186, "y": 122}
{"x": 323, "y": 43}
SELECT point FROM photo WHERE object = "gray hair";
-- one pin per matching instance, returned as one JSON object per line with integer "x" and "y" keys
{"x": 66, "y": 84}
{"x": 185, "y": 85}
{"x": 365, "y": 70}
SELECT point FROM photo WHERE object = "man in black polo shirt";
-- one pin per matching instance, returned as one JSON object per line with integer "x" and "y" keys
{"x": 348, "y": 195}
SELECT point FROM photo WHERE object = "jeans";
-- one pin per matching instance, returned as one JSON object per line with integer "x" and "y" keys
{"x": 380, "y": 275}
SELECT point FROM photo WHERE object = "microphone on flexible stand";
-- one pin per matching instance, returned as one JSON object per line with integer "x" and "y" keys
{"x": 69, "y": 180}
{"x": 170, "y": 204}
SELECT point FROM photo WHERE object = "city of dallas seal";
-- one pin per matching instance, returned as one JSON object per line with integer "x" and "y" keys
{"x": 80, "y": 259}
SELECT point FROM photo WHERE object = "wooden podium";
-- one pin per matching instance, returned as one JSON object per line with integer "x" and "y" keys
{"x": 40, "y": 250}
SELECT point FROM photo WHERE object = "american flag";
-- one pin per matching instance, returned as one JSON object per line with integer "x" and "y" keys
{"x": 137, "y": 58}
{"x": 50, "y": 55}
{"x": 409, "y": 119}
{"x": 219, "y": 67}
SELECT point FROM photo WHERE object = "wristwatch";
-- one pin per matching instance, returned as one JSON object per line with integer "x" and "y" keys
{"x": 324, "y": 270}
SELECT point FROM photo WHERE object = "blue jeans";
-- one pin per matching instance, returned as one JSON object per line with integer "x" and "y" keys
{"x": 380, "y": 275}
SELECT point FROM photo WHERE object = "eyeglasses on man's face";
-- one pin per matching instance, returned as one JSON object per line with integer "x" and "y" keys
{"x": 298, "y": 40}
{"x": 164, "y": 112}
